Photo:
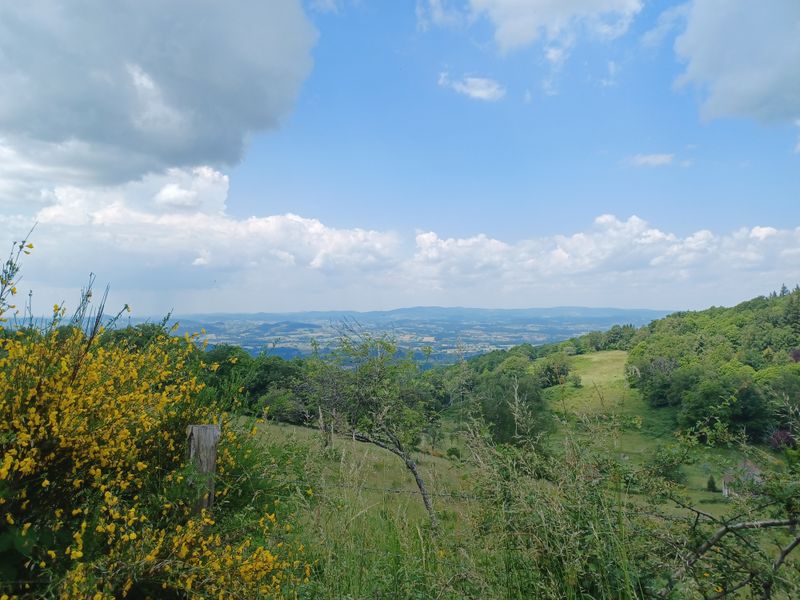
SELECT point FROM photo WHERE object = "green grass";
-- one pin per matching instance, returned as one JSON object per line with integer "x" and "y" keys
{"x": 368, "y": 534}
{"x": 373, "y": 473}
{"x": 605, "y": 392}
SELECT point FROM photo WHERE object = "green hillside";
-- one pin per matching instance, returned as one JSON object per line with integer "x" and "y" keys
{"x": 725, "y": 367}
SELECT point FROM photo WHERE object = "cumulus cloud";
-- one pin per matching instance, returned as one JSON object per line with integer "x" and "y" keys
{"x": 744, "y": 57}
{"x": 651, "y": 160}
{"x": 166, "y": 241}
{"x": 180, "y": 218}
{"x": 106, "y": 93}
{"x": 477, "y": 88}
{"x": 762, "y": 233}
{"x": 622, "y": 262}
{"x": 168, "y": 237}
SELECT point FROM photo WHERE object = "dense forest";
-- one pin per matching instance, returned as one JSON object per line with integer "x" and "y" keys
{"x": 737, "y": 366}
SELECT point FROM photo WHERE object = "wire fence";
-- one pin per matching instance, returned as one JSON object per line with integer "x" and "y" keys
{"x": 387, "y": 491}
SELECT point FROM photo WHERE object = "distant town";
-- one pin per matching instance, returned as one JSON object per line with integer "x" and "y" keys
{"x": 446, "y": 333}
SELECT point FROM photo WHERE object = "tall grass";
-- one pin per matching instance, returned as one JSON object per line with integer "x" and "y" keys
{"x": 524, "y": 527}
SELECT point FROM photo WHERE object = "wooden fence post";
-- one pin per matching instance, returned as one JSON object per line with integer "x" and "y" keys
{"x": 202, "y": 441}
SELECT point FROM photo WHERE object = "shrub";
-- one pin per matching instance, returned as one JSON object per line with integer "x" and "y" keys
{"x": 780, "y": 439}
{"x": 454, "y": 453}
{"x": 96, "y": 499}
{"x": 667, "y": 462}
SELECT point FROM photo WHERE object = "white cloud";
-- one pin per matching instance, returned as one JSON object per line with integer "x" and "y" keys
{"x": 668, "y": 21}
{"x": 651, "y": 160}
{"x": 478, "y": 88}
{"x": 744, "y": 56}
{"x": 193, "y": 256}
{"x": 168, "y": 239}
{"x": 556, "y": 55}
{"x": 139, "y": 222}
{"x": 556, "y": 24}
{"x": 440, "y": 13}
{"x": 617, "y": 262}
{"x": 203, "y": 258}
{"x": 521, "y": 23}
{"x": 174, "y": 195}
{"x": 762, "y": 233}
{"x": 171, "y": 84}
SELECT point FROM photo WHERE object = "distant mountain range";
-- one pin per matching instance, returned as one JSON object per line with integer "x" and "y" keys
{"x": 628, "y": 315}
{"x": 450, "y": 332}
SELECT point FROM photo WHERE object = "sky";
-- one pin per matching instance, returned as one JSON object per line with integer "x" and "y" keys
{"x": 200, "y": 156}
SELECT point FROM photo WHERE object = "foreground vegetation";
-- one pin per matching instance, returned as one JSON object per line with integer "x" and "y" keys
{"x": 96, "y": 497}
{"x": 572, "y": 470}
{"x": 589, "y": 516}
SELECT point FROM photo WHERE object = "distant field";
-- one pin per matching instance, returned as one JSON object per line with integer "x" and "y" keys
{"x": 449, "y": 333}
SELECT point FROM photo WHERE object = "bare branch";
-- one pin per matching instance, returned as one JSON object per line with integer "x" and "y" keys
{"x": 718, "y": 535}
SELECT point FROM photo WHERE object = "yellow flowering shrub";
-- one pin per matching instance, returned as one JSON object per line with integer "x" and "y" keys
{"x": 96, "y": 497}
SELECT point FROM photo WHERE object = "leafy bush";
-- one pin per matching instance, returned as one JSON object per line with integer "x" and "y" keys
{"x": 96, "y": 498}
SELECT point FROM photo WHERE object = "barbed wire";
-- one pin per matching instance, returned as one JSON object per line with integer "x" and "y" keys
{"x": 307, "y": 484}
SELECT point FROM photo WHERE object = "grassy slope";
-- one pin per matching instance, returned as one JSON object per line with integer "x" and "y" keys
{"x": 605, "y": 391}
{"x": 367, "y": 531}
{"x": 379, "y": 474}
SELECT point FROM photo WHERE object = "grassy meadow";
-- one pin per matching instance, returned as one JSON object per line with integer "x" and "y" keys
{"x": 367, "y": 531}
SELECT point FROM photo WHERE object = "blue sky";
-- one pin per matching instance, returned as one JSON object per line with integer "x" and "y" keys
{"x": 392, "y": 149}
{"x": 364, "y": 154}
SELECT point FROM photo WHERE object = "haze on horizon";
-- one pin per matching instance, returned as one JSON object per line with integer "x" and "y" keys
{"x": 362, "y": 155}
